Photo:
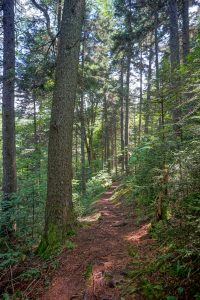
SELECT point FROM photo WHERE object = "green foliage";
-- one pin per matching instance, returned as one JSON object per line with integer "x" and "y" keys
{"x": 30, "y": 273}
{"x": 10, "y": 257}
{"x": 87, "y": 272}
{"x": 70, "y": 245}
{"x": 151, "y": 290}
{"x": 95, "y": 186}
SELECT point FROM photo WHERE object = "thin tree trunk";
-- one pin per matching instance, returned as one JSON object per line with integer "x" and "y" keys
{"x": 59, "y": 217}
{"x": 115, "y": 129}
{"x": 59, "y": 13}
{"x": 126, "y": 140}
{"x": 157, "y": 54}
{"x": 76, "y": 148}
{"x": 141, "y": 97}
{"x": 8, "y": 113}
{"x": 83, "y": 177}
{"x": 106, "y": 134}
{"x": 36, "y": 139}
{"x": 148, "y": 91}
{"x": 127, "y": 95}
{"x": 121, "y": 94}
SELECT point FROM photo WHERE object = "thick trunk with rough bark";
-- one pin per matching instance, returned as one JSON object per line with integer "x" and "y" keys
{"x": 59, "y": 216}
{"x": 175, "y": 61}
{"x": 174, "y": 35}
{"x": 185, "y": 29}
{"x": 8, "y": 111}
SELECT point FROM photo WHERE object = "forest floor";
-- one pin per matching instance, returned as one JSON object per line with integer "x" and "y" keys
{"x": 101, "y": 256}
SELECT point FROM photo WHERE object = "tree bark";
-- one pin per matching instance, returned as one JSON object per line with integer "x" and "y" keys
{"x": 148, "y": 91}
{"x": 174, "y": 35}
{"x": 127, "y": 93}
{"x": 121, "y": 94}
{"x": 175, "y": 62}
{"x": 59, "y": 14}
{"x": 141, "y": 98}
{"x": 83, "y": 178}
{"x": 185, "y": 29}
{"x": 8, "y": 111}
{"x": 157, "y": 54}
{"x": 106, "y": 133}
{"x": 126, "y": 140}
{"x": 59, "y": 215}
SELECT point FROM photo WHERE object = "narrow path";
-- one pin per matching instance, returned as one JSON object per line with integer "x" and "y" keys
{"x": 98, "y": 263}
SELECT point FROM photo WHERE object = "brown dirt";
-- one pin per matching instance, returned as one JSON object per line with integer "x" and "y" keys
{"x": 96, "y": 267}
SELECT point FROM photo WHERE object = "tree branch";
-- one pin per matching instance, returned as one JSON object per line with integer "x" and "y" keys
{"x": 44, "y": 10}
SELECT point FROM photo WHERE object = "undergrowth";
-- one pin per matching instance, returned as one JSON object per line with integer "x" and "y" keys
{"x": 19, "y": 264}
{"x": 168, "y": 267}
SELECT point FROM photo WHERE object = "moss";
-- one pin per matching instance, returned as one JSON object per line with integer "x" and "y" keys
{"x": 51, "y": 243}
{"x": 42, "y": 247}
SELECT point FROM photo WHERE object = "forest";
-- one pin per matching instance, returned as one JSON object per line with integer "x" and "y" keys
{"x": 100, "y": 149}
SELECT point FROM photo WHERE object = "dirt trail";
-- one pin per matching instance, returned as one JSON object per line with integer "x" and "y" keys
{"x": 101, "y": 253}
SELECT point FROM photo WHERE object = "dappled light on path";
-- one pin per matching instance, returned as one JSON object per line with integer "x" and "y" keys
{"x": 136, "y": 235}
{"x": 95, "y": 268}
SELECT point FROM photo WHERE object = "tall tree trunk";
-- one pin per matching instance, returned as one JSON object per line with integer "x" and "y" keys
{"x": 59, "y": 14}
{"x": 126, "y": 140}
{"x": 185, "y": 29}
{"x": 83, "y": 178}
{"x": 148, "y": 91}
{"x": 174, "y": 35}
{"x": 141, "y": 98}
{"x": 8, "y": 112}
{"x": 59, "y": 217}
{"x": 160, "y": 99}
{"x": 160, "y": 201}
{"x": 127, "y": 93}
{"x": 157, "y": 54}
{"x": 76, "y": 148}
{"x": 106, "y": 134}
{"x": 175, "y": 62}
{"x": 115, "y": 133}
{"x": 36, "y": 139}
{"x": 121, "y": 94}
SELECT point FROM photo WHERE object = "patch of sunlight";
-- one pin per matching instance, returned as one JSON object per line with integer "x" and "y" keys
{"x": 136, "y": 235}
{"x": 91, "y": 218}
